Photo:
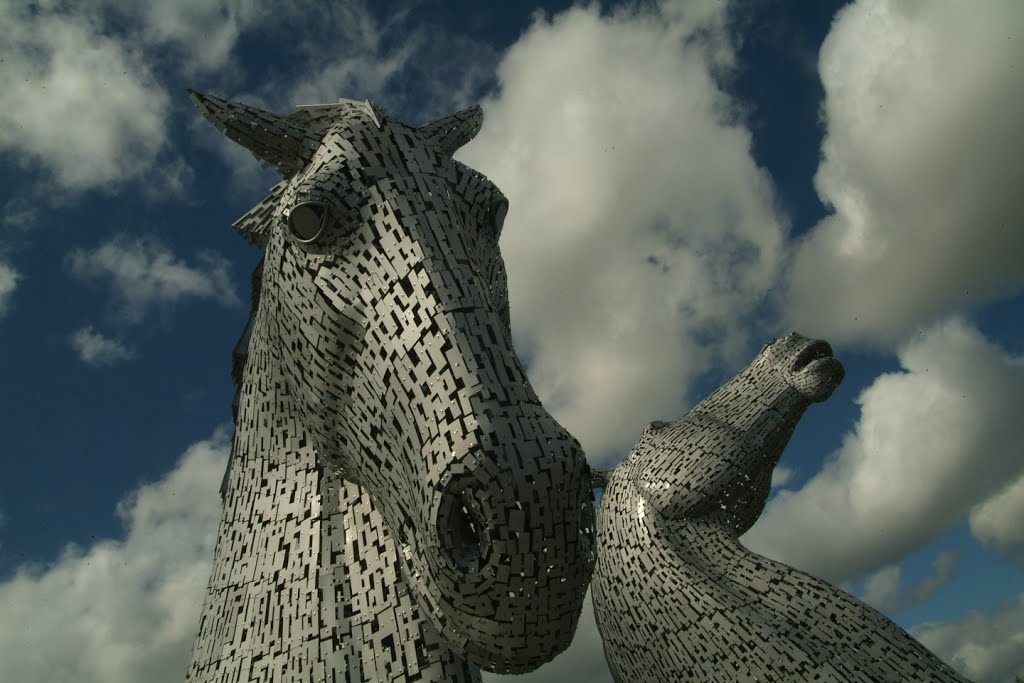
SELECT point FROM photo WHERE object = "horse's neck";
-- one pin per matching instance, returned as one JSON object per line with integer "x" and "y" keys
{"x": 756, "y": 404}
{"x": 306, "y": 581}
{"x": 799, "y": 614}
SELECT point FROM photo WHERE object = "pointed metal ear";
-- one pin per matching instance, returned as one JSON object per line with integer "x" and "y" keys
{"x": 258, "y": 223}
{"x": 453, "y": 131}
{"x": 376, "y": 112}
{"x": 275, "y": 140}
{"x": 319, "y": 117}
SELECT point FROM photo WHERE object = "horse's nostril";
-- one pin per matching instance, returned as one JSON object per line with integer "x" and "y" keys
{"x": 463, "y": 532}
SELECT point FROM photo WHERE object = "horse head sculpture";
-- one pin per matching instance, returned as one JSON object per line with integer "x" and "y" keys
{"x": 383, "y": 317}
{"x": 705, "y": 608}
{"x": 761, "y": 405}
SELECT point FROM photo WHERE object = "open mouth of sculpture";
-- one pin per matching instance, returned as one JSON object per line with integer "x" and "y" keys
{"x": 813, "y": 354}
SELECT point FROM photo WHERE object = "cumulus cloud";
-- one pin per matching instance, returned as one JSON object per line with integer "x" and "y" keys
{"x": 203, "y": 34}
{"x": 933, "y": 441}
{"x": 988, "y": 648}
{"x": 78, "y": 95}
{"x": 640, "y": 230}
{"x": 781, "y": 476}
{"x": 8, "y": 283}
{"x": 997, "y": 521}
{"x": 96, "y": 349}
{"x": 123, "y": 610}
{"x": 923, "y": 103}
{"x": 884, "y": 589}
{"x": 75, "y": 101}
{"x": 143, "y": 274}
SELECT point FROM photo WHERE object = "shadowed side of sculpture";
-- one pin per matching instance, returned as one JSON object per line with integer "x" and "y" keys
{"x": 392, "y": 472}
{"x": 677, "y": 596}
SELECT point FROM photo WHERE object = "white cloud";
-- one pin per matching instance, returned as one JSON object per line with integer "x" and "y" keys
{"x": 932, "y": 442}
{"x": 417, "y": 70}
{"x": 988, "y": 648}
{"x": 354, "y": 66}
{"x": 144, "y": 274}
{"x": 123, "y": 610}
{"x": 635, "y": 205}
{"x": 8, "y": 283}
{"x": 78, "y": 95}
{"x": 202, "y": 33}
{"x": 781, "y": 476}
{"x": 96, "y": 349}
{"x": 638, "y": 221}
{"x": 998, "y": 520}
{"x": 20, "y": 213}
{"x": 126, "y": 610}
{"x": 884, "y": 591}
{"x": 923, "y": 103}
{"x": 76, "y": 101}
{"x": 359, "y": 67}
{"x": 882, "y": 588}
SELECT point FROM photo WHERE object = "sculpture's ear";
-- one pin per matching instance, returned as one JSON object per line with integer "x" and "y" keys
{"x": 376, "y": 112}
{"x": 275, "y": 140}
{"x": 257, "y": 223}
{"x": 319, "y": 117}
{"x": 451, "y": 132}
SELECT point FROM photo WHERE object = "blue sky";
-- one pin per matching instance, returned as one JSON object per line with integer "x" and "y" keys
{"x": 687, "y": 181}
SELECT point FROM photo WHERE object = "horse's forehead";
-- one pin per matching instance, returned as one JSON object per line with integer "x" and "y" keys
{"x": 357, "y": 140}
{"x": 396, "y": 149}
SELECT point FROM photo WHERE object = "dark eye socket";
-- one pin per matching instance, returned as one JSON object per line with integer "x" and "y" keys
{"x": 308, "y": 220}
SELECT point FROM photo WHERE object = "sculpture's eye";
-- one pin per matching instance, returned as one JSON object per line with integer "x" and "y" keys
{"x": 307, "y": 221}
{"x": 498, "y": 212}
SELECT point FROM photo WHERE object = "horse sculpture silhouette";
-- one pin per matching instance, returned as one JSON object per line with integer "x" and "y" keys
{"x": 678, "y": 598}
{"x": 399, "y": 505}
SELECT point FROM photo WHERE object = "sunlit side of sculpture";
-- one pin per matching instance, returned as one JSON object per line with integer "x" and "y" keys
{"x": 399, "y": 505}
{"x": 679, "y": 598}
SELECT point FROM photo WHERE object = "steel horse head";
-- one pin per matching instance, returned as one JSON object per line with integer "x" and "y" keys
{"x": 384, "y": 311}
